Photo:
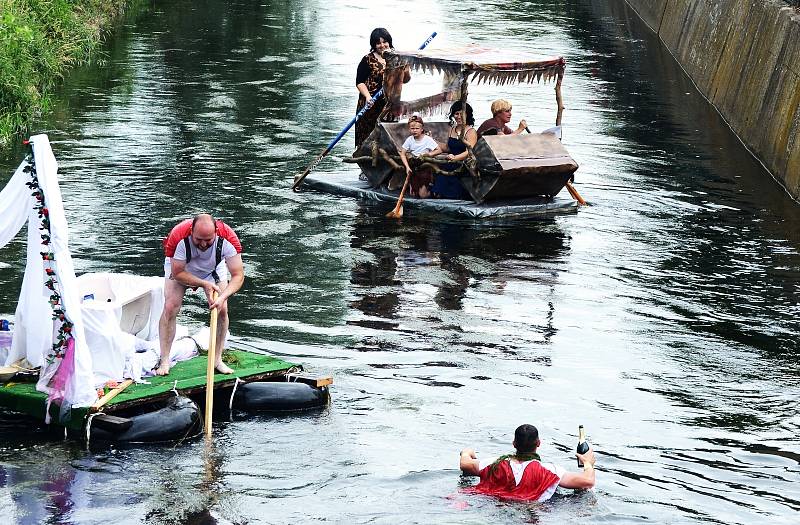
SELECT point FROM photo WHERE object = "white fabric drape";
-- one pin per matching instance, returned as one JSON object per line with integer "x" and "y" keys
{"x": 110, "y": 300}
{"x": 15, "y": 205}
{"x": 103, "y": 350}
{"x": 33, "y": 323}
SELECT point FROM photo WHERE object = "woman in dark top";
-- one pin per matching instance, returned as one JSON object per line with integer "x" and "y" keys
{"x": 449, "y": 187}
{"x": 369, "y": 79}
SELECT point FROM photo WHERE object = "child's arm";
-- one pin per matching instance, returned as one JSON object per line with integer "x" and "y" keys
{"x": 435, "y": 150}
{"x": 405, "y": 161}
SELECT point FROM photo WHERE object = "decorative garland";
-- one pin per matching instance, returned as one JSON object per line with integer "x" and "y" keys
{"x": 59, "y": 315}
{"x": 522, "y": 458}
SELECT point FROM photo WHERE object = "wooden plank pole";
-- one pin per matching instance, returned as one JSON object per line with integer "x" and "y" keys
{"x": 111, "y": 395}
{"x": 212, "y": 343}
{"x": 575, "y": 195}
{"x": 316, "y": 382}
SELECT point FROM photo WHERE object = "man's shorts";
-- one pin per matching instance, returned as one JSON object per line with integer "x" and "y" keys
{"x": 222, "y": 272}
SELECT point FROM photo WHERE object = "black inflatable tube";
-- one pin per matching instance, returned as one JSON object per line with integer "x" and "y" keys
{"x": 278, "y": 397}
{"x": 178, "y": 419}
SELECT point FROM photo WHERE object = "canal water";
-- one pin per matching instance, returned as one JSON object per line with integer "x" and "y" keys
{"x": 663, "y": 317}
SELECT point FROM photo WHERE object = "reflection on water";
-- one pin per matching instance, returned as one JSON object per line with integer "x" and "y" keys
{"x": 432, "y": 280}
{"x": 663, "y": 317}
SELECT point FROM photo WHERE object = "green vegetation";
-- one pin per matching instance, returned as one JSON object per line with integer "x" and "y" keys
{"x": 40, "y": 40}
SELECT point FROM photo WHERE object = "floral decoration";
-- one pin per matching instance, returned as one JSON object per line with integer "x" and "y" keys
{"x": 64, "y": 332}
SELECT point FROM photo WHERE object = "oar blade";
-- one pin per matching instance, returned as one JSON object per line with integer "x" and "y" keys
{"x": 395, "y": 213}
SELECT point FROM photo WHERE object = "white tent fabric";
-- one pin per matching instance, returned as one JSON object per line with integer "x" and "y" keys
{"x": 114, "y": 316}
{"x": 121, "y": 314}
{"x": 33, "y": 325}
{"x": 111, "y": 301}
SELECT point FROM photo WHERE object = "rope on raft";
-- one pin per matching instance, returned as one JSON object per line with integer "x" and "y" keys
{"x": 429, "y": 162}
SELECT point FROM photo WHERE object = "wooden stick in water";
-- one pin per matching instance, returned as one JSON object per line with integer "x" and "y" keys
{"x": 575, "y": 195}
{"x": 570, "y": 188}
{"x": 212, "y": 343}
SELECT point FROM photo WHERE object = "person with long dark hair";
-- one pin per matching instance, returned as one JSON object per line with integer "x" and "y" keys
{"x": 461, "y": 121}
{"x": 369, "y": 79}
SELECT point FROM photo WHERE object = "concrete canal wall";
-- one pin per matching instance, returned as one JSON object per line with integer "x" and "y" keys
{"x": 744, "y": 56}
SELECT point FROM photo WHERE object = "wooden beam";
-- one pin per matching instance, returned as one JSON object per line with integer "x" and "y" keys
{"x": 112, "y": 423}
{"x": 111, "y": 395}
{"x": 559, "y": 101}
{"x": 316, "y": 382}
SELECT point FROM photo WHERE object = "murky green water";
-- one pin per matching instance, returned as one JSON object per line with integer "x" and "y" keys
{"x": 663, "y": 317}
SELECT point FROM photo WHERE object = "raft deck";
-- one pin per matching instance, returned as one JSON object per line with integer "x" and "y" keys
{"x": 187, "y": 377}
{"x": 348, "y": 184}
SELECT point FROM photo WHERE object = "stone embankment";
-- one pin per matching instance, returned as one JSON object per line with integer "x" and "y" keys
{"x": 744, "y": 56}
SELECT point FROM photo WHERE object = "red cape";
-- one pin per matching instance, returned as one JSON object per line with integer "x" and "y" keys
{"x": 537, "y": 481}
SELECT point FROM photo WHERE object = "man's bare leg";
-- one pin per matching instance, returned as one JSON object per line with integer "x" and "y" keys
{"x": 173, "y": 299}
{"x": 222, "y": 332}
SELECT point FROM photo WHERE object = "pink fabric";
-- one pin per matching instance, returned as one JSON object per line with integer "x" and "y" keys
{"x": 58, "y": 385}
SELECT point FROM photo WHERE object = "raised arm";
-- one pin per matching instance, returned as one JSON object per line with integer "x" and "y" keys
{"x": 468, "y": 462}
{"x": 582, "y": 480}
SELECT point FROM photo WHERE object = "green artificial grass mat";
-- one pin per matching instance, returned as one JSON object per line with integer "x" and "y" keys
{"x": 191, "y": 374}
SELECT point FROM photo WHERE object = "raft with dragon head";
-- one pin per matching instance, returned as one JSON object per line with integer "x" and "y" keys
{"x": 498, "y": 167}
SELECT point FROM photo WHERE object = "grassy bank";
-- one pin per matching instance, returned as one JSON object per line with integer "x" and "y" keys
{"x": 40, "y": 40}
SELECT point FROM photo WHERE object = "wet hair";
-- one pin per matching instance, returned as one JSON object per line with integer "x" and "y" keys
{"x": 525, "y": 438}
{"x": 500, "y": 105}
{"x": 376, "y": 35}
{"x": 457, "y": 107}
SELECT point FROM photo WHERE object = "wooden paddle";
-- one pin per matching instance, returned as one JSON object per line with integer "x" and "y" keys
{"x": 397, "y": 212}
{"x": 570, "y": 188}
{"x": 575, "y": 195}
{"x": 212, "y": 343}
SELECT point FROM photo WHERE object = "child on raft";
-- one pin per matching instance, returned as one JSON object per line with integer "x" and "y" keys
{"x": 418, "y": 144}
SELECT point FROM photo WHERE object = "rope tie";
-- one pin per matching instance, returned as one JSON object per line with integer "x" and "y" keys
{"x": 88, "y": 426}
{"x": 233, "y": 393}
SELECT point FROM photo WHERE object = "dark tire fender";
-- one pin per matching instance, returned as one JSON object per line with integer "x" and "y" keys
{"x": 178, "y": 419}
{"x": 279, "y": 397}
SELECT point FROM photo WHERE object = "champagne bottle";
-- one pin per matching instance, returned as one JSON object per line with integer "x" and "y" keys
{"x": 583, "y": 445}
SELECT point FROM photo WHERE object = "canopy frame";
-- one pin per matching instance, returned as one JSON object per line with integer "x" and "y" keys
{"x": 460, "y": 68}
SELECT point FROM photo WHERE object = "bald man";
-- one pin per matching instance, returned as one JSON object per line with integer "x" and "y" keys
{"x": 199, "y": 253}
